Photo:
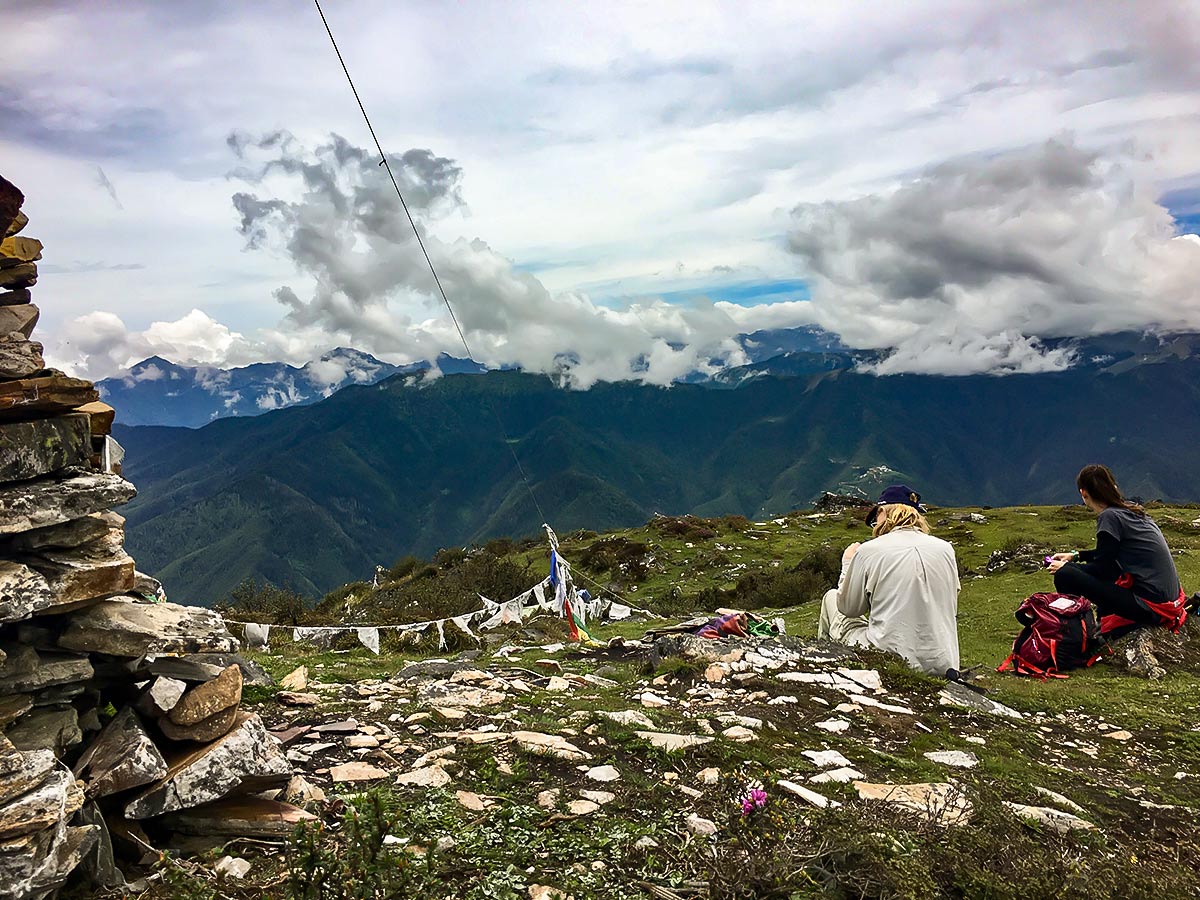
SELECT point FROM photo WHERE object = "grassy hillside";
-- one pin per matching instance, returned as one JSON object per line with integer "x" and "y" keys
{"x": 320, "y": 495}
{"x": 508, "y": 818}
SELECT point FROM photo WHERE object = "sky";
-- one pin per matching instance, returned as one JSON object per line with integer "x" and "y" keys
{"x": 607, "y": 190}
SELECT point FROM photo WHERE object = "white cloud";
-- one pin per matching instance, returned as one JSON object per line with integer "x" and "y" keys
{"x": 963, "y": 268}
{"x": 601, "y": 151}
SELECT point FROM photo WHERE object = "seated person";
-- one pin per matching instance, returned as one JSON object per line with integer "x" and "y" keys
{"x": 898, "y": 591}
{"x": 1130, "y": 574}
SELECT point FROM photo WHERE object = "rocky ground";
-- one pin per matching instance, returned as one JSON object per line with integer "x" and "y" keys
{"x": 545, "y": 770}
{"x": 530, "y": 767}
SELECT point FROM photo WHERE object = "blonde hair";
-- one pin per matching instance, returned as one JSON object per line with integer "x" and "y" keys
{"x": 898, "y": 515}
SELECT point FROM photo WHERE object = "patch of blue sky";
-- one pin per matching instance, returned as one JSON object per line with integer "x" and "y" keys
{"x": 1184, "y": 206}
{"x": 752, "y": 293}
{"x": 1189, "y": 223}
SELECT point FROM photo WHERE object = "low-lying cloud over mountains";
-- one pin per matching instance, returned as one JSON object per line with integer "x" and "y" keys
{"x": 962, "y": 269}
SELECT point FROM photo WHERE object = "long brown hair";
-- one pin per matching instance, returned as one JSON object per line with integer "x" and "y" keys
{"x": 1101, "y": 486}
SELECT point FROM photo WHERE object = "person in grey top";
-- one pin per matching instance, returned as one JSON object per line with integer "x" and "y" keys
{"x": 1131, "y": 571}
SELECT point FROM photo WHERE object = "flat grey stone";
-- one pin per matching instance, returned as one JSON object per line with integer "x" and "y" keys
{"x": 252, "y": 817}
{"x": 51, "y": 669}
{"x": 37, "y": 447}
{"x": 19, "y": 356}
{"x": 964, "y": 698}
{"x": 246, "y": 760}
{"x": 56, "y": 798}
{"x": 122, "y": 756}
{"x": 161, "y": 696}
{"x": 72, "y": 533}
{"x": 125, "y": 627}
{"x": 47, "y": 729}
{"x": 23, "y": 592}
{"x": 207, "y": 666}
{"x": 20, "y": 771}
{"x": 49, "y": 501}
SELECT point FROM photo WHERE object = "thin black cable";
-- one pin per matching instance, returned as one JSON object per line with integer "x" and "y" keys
{"x": 438, "y": 281}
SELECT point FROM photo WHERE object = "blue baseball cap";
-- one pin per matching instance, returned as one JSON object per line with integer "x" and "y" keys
{"x": 896, "y": 493}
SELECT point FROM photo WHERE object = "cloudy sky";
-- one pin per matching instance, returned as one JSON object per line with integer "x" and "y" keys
{"x": 617, "y": 189}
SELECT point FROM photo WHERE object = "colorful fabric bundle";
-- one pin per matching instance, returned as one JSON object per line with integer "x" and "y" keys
{"x": 731, "y": 625}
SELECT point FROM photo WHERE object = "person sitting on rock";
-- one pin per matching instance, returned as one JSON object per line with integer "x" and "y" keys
{"x": 1130, "y": 576}
{"x": 898, "y": 591}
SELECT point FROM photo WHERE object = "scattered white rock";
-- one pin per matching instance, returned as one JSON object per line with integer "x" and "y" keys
{"x": 671, "y": 742}
{"x": 1054, "y": 819}
{"x": 295, "y": 680}
{"x": 866, "y": 678}
{"x": 356, "y": 771}
{"x": 709, "y": 776}
{"x": 627, "y": 717}
{"x": 956, "y": 759}
{"x": 601, "y": 797}
{"x": 842, "y": 775}
{"x": 700, "y": 826}
{"x": 1060, "y": 800}
{"x": 548, "y": 745}
{"x": 582, "y": 807}
{"x": 1119, "y": 736}
{"x": 823, "y": 759}
{"x": 808, "y": 796}
{"x": 603, "y": 774}
{"x": 651, "y": 700}
{"x": 470, "y": 800}
{"x": 942, "y": 803}
{"x": 862, "y": 700}
{"x": 231, "y": 867}
{"x": 964, "y": 698}
{"x": 833, "y": 726}
{"x": 430, "y": 776}
{"x": 548, "y": 799}
{"x": 739, "y": 734}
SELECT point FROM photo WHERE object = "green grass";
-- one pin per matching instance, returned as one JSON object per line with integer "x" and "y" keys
{"x": 496, "y": 850}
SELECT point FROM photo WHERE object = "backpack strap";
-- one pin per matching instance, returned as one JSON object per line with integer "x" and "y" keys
{"x": 1172, "y": 614}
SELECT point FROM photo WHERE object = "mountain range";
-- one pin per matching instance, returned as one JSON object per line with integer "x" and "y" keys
{"x": 157, "y": 391}
{"x": 315, "y": 496}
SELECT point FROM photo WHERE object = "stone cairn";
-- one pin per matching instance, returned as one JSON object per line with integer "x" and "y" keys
{"x": 120, "y": 712}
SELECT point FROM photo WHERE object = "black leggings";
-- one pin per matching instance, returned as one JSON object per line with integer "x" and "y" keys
{"x": 1105, "y": 596}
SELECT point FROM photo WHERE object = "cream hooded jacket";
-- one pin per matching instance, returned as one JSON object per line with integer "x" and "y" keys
{"x": 906, "y": 583}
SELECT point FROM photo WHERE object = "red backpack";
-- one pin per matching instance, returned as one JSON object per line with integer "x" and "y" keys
{"x": 1060, "y": 633}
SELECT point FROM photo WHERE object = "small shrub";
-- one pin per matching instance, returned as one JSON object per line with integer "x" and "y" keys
{"x": 734, "y": 524}
{"x": 265, "y": 603}
{"x": 690, "y": 528}
{"x": 403, "y": 567}
{"x": 448, "y": 557}
{"x": 355, "y": 863}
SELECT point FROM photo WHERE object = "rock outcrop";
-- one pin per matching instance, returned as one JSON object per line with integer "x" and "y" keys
{"x": 84, "y": 635}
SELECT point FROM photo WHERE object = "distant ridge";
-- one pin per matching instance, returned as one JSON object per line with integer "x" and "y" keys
{"x": 157, "y": 391}
{"x": 318, "y": 496}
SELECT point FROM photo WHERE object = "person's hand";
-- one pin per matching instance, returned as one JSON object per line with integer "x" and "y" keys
{"x": 848, "y": 553}
{"x": 1063, "y": 557}
{"x": 1056, "y": 564}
